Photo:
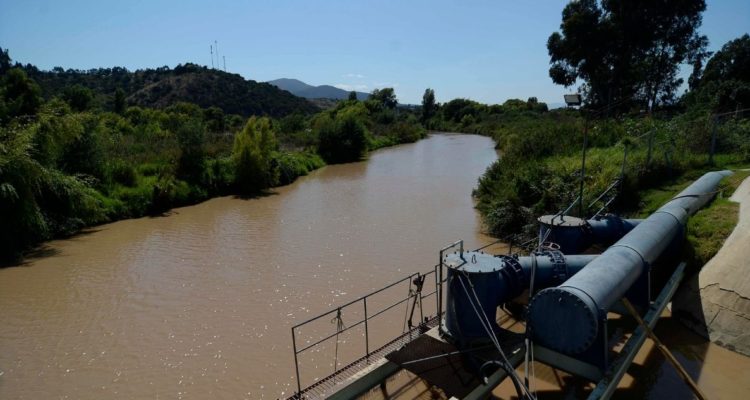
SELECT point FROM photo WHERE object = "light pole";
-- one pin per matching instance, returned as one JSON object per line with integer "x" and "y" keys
{"x": 574, "y": 100}
{"x": 583, "y": 165}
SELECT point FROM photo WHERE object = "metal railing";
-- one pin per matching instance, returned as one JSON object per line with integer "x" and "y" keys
{"x": 415, "y": 280}
{"x": 613, "y": 187}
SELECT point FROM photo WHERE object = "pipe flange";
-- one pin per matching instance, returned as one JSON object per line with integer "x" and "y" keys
{"x": 513, "y": 272}
{"x": 559, "y": 265}
{"x": 563, "y": 320}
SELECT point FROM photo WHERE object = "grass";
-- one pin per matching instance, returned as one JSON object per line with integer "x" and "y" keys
{"x": 711, "y": 226}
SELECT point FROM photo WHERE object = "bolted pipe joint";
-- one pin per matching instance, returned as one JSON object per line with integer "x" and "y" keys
{"x": 574, "y": 310}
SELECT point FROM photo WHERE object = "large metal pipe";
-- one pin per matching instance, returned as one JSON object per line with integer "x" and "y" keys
{"x": 566, "y": 318}
{"x": 574, "y": 235}
{"x": 494, "y": 280}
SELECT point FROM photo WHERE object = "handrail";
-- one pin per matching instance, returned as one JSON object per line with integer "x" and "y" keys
{"x": 614, "y": 185}
{"x": 355, "y": 300}
{"x": 362, "y": 299}
{"x": 562, "y": 213}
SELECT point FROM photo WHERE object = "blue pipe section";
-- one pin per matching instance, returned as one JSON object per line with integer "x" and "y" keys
{"x": 574, "y": 235}
{"x": 567, "y": 318}
{"x": 494, "y": 280}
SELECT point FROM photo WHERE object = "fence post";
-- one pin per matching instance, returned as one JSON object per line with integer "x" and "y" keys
{"x": 367, "y": 332}
{"x": 296, "y": 362}
{"x": 714, "y": 122}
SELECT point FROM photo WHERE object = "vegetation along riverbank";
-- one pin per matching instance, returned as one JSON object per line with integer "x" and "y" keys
{"x": 646, "y": 146}
{"x": 79, "y": 148}
{"x": 85, "y": 147}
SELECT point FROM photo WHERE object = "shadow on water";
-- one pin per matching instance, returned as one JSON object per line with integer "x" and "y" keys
{"x": 253, "y": 196}
{"x": 44, "y": 250}
{"x": 163, "y": 214}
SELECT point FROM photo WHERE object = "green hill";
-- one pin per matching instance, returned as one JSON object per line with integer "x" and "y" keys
{"x": 164, "y": 86}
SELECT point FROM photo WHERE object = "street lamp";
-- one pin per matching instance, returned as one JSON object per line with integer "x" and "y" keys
{"x": 572, "y": 100}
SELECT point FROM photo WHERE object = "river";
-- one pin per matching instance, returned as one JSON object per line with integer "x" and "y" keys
{"x": 199, "y": 303}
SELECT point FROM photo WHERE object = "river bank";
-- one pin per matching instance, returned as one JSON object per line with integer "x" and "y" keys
{"x": 63, "y": 170}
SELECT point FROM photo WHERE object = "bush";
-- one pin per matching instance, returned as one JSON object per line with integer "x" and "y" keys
{"x": 191, "y": 138}
{"x": 343, "y": 139}
{"x": 253, "y": 168}
{"x": 122, "y": 173}
{"x": 293, "y": 165}
{"x": 219, "y": 175}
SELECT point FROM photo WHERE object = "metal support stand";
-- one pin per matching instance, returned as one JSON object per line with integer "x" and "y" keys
{"x": 667, "y": 354}
{"x": 607, "y": 386}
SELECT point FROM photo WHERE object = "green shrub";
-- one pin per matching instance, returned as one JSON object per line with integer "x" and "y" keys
{"x": 343, "y": 139}
{"x": 219, "y": 175}
{"x": 252, "y": 156}
{"x": 293, "y": 165}
{"x": 191, "y": 139}
{"x": 122, "y": 173}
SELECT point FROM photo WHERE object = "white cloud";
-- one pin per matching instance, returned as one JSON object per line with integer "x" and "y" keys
{"x": 357, "y": 87}
{"x": 385, "y": 85}
{"x": 358, "y": 76}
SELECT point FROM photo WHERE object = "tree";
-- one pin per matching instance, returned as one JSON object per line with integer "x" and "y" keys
{"x": 78, "y": 97}
{"x": 214, "y": 118}
{"x": 343, "y": 139}
{"x": 626, "y": 50}
{"x": 732, "y": 62}
{"x": 119, "y": 101}
{"x": 252, "y": 156}
{"x": 19, "y": 95}
{"x": 352, "y": 96}
{"x": 4, "y": 61}
{"x": 456, "y": 109}
{"x": 386, "y": 97}
{"x": 429, "y": 108}
{"x": 84, "y": 152}
{"x": 725, "y": 83}
{"x": 191, "y": 138}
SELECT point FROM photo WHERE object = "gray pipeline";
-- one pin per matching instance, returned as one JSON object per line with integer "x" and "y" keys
{"x": 566, "y": 318}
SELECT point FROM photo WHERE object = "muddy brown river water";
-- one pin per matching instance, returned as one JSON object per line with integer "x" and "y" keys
{"x": 198, "y": 304}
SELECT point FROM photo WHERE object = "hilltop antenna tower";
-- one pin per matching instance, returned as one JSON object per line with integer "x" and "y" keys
{"x": 216, "y": 44}
{"x": 212, "y": 55}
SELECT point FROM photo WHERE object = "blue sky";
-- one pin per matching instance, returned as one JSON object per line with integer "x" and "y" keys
{"x": 484, "y": 50}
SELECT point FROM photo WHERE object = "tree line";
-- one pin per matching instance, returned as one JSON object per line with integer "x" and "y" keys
{"x": 74, "y": 159}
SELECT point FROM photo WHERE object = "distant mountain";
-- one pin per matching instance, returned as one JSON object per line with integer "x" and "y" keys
{"x": 302, "y": 89}
{"x": 291, "y": 85}
{"x": 163, "y": 87}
